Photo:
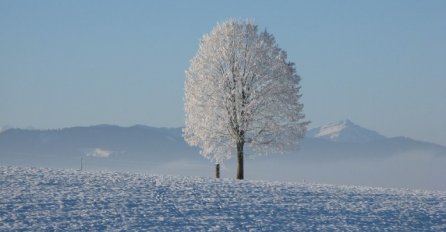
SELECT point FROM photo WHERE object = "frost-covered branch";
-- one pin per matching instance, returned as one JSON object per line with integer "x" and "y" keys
{"x": 240, "y": 89}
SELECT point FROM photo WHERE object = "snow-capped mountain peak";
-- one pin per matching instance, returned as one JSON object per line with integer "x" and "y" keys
{"x": 334, "y": 129}
{"x": 344, "y": 131}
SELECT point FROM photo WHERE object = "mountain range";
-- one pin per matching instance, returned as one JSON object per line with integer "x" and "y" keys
{"x": 164, "y": 151}
{"x": 346, "y": 139}
{"x": 331, "y": 141}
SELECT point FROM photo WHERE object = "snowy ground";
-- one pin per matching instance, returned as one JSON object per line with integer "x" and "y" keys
{"x": 38, "y": 199}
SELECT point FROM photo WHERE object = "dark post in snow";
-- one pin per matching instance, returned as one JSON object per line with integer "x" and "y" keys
{"x": 217, "y": 171}
{"x": 82, "y": 164}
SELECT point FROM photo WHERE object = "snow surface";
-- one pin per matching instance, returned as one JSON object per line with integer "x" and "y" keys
{"x": 39, "y": 199}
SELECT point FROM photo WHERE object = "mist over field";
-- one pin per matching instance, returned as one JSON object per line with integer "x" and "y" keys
{"x": 410, "y": 170}
{"x": 320, "y": 158}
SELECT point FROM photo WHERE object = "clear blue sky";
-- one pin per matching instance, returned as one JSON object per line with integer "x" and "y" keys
{"x": 381, "y": 64}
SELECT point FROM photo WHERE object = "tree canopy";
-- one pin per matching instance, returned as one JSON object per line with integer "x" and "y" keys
{"x": 240, "y": 89}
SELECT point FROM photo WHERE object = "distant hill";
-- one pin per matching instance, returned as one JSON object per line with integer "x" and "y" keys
{"x": 102, "y": 144}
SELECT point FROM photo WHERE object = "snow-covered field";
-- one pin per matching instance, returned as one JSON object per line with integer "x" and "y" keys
{"x": 38, "y": 199}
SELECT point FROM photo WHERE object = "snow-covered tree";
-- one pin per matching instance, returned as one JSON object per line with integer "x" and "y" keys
{"x": 241, "y": 90}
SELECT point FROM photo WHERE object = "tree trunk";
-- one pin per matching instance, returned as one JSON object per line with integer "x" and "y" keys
{"x": 240, "y": 160}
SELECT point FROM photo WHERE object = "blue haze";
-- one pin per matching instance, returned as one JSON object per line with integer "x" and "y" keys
{"x": 66, "y": 63}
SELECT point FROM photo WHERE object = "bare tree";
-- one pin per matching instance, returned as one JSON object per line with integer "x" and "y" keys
{"x": 241, "y": 90}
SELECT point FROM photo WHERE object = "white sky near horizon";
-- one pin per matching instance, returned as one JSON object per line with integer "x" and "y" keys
{"x": 381, "y": 64}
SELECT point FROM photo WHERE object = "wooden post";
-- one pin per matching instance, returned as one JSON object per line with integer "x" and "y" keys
{"x": 217, "y": 171}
